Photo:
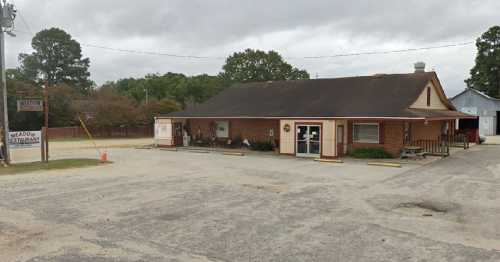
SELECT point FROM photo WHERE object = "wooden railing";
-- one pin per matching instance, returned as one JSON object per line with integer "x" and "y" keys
{"x": 457, "y": 140}
{"x": 432, "y": 147}
{"x": 441, "y": 146}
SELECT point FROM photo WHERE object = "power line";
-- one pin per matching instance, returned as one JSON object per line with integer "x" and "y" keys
{"x": 28, "y": 27}
{"x": 143, "y": 52}
{"x": 382, "y": 52}
{"x": 151, "y": 52}
{"x": 387, "y": 51}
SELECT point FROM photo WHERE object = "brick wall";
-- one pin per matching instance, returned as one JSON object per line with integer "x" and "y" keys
{"x": 391, "y": 137}
{"x": 251, "y": 129}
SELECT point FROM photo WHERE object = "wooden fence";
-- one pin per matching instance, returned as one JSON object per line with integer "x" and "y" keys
{"x": 113, "y": 132}
{"x": 441, "y": 146}
{"x": 457, "y": 140}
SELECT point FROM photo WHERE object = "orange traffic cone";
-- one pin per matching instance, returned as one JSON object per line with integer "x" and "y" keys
{"x": 104, "y": 157}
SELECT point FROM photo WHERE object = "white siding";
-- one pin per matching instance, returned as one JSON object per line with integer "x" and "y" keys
{"x": 163, "y": 132}
{"x": 328, "y": 142}
{"x": 436, "y": 103}
{"x": 287, "y": 139}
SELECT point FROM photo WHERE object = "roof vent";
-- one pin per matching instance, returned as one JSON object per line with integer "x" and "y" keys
{"x": 419, "y": 67}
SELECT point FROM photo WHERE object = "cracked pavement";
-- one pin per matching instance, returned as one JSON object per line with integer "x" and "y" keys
{"x": 153, "y": 205}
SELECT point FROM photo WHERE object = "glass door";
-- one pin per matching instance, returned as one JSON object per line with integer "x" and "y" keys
{"x": 314, "y": 140}
{"x": 308, "y": 140}
{"x": 302, "y": 135}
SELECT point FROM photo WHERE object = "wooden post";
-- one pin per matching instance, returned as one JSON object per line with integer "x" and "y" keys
{"x": 46, "y": 116}
{"x": 42, "y": 145}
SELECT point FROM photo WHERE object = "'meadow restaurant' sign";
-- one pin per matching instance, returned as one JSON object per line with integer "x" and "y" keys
{"x": 29, "y": 105}
{"x": 25, "y": 139}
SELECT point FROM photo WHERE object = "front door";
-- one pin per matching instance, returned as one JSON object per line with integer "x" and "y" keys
{"x": 178, "y": 134}
{"x": 308, "y": 140}
{"x": 340, "y": 141}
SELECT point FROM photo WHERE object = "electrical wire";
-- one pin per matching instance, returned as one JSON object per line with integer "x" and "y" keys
{"x": 390, "y": 51}
{"x": 132, "y": 51}
{"x": 28, "y": 27}
{"x": 383, "y": 52}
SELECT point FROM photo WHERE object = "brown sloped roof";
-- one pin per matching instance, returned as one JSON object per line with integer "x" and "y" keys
{"x": 364, "y": 96}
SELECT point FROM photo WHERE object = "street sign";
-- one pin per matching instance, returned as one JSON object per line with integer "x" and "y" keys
{"x": 25, "y": 139}
{"x": 30, "y": 105}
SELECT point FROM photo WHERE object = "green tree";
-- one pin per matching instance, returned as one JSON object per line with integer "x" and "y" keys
{"x": 22, "y": 121}
{"x": 62, "y": 111}
{"x": 170, "y": 85}
{"x": 255, "y": 65}
{"x": 202, "y": 87}
{"x": 15, "y": 74}
{"x": 130, "y": 87}
{"x": 485, "y": 75}
{"x": 156, "y": 107}
{"x": 107, "y": 108}
{"x": 57, "y": 59}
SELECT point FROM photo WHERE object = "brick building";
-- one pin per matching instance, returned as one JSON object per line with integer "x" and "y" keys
{"x": 321, "y": 117}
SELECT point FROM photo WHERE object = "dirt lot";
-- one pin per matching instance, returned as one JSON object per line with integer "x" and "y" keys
{"x": 78, "y": 148}
{"x": 153, "y": 205}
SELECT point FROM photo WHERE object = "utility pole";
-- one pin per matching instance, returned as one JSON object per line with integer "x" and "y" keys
{"x": 7, "y": 16}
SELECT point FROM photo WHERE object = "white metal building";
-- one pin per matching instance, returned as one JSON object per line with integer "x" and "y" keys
{"x": 477, "y": 103}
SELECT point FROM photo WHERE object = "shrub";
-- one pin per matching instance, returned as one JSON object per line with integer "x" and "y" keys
{"x": 237, "y": 142}
{"x": 202, "y": 142}
{"x": 261, "y": 146}
{"x": 370, "y": 153}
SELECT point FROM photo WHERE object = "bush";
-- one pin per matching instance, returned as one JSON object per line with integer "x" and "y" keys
{"x": 237, "y": 142}
{"x": 261, "y": 146}
{"x": 202, "y": 142}
{"x": 370, "y": 153}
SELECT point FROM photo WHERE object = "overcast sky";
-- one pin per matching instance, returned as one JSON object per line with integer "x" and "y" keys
{"x": 217, "y": 28}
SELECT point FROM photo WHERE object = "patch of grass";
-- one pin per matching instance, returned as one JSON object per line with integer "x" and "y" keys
{"x": 370, "y": 153}
{"x": 51, "y": 165}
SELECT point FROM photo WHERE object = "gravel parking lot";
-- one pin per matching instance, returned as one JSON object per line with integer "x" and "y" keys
{"x": 153, "y": 205}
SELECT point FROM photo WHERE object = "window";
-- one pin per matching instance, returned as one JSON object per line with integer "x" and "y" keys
{"x": 407, "y": 132}
{"x": 222, "y": 129}
{"x": 428, "y": 96}
{"x": 365, "y": 133}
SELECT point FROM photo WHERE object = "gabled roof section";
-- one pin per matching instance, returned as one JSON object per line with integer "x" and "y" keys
{"x": 365, "y": 96}
{"x": 477, "y": 92}
{"x": 440, "y": 90}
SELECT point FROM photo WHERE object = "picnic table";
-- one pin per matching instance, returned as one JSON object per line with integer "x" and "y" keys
{"x": 413, "y": 152}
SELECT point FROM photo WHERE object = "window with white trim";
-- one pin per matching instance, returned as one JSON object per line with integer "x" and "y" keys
{"x": 365, "y": 133}
{"x": 222, "y": 129}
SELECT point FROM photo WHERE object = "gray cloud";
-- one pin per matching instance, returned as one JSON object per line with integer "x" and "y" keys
{"x": 294, "y": 28}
